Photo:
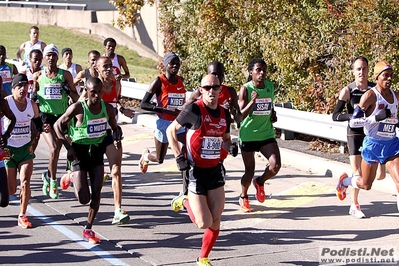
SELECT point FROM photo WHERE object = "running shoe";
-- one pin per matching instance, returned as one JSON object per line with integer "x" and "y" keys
{"x": 203, "y": 262}
{"x": 53, "y": 189}
{"x": 341, "y": 189}
{"x": 260, "y": 191}
{"x": 121, "y": 217}
{"x": 177, "y": 202}
{"x": 90, "y": 236}
{"x": 244, "y": 204}
{"x": 46, "y": 184}
{"x": 24, "y": 222}
{"x": 144, "y": 164}
{"x": 355, "y": 211}
{"x": 66, "y": 180}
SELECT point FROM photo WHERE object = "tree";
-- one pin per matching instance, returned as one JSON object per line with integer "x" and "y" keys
{"x": 308, "y": 45}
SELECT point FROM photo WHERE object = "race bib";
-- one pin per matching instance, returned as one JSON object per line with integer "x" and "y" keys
{"x": 21, "y": 130}
{"x": 52, "y": 91}
{"x": 175, "y": 100}
{"x": 6, "y": 76}
{"x": 97, "y": 127}
{"x": 262, "y": 106}
{"x": 387, "y": 128}
{"x": 211, "y": 147}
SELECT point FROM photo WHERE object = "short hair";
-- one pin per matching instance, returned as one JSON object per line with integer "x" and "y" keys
{"x": 102, "y": 57}
{"x": 361, "y": 58}
{"x": 37, "y": 51}
{"x": 3, "y": 48}
{"x": 33, "y": 28}
{"x": 93, "y": 52}
{"x": 216, "y": 64}
{"x": 93, "y": 81}
{"x": 109, "y": 40}
{"x": 252, "y": 63}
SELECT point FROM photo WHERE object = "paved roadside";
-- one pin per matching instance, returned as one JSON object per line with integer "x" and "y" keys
{"x": 301, "y": 215}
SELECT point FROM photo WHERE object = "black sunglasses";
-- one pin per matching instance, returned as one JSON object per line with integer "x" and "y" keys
{"x": 209, "y": 87}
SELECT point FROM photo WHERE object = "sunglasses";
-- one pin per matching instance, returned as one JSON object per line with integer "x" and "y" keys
{"x": 209, "y": 87}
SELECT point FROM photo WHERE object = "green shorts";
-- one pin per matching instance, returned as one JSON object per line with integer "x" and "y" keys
{"x": 19, "y": 155}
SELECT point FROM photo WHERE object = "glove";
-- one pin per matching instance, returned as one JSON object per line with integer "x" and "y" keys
{"x": 383, "y": 114}
{"x": 182, "y": 163}
{"x": 33, "y": 96}
{"x": 233, "y": 150}
{"x": 65, "y": 87}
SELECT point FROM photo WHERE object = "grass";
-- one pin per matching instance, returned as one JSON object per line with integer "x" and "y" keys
{"x": 14, "y": 33}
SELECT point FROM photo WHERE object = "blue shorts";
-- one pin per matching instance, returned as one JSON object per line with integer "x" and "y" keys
{"x": 379, "y": 151}
{"x": 160, "y": 131}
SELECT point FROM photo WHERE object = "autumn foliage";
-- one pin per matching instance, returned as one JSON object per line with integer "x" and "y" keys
{"x": 308, "y": 45}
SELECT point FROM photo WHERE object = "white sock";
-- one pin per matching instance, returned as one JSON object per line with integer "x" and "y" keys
{"x": 22, "y": 214}
{"x": 118, "y": 210}
{"x": 145, "y": 157}
{"x": 354, "y": 181}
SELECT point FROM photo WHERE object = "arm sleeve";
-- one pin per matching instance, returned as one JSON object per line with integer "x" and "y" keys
{"x": 190, "y": 116}
{"x": 338, "y": 115}
{"x": 145, "y": 103}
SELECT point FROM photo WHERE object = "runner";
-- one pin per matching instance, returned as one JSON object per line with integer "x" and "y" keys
{"x": 88, "y": 128}
{"x": 19, "y": 144}
{"x": 53, "y": 86}
{"x": 26, "y": 47}
{"x": 89, "y": 72}
{"x": 118, "y": 61}
{"x": 35, "y": 62}
{"x": 4, "y": 136}
{"x": 114, "y": 155}
{"x": 73, "y": 68}
{"x": 208, "y": 134}
{"x": 81, "y": 78}
{"x": 171, "y": 96}
{"x": 257, "y": 132}
{"x": 349, "y": 97}
{"x": 227, "y": 99}
{"x": 377, "y": 113}
{"x": 7, "y": 70}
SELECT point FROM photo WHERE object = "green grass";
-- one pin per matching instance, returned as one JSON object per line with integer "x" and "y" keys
{"x": 14, "y": 33}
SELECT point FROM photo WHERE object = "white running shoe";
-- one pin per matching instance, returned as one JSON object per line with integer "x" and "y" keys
{"x": 355, "y": 212}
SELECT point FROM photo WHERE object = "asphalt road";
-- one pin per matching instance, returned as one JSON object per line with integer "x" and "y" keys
{"x": 300, "y": 216}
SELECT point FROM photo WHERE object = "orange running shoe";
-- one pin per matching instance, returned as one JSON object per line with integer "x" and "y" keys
{"x": 24, "y": 222}
{"x": 142, "y": 163}
{"x": 66, "y": 180}
{"x": 90, "y": 236}
{"x": 260, "y": 191}
{"x": 244, "y": 204}
{"x": 341, "y": 189}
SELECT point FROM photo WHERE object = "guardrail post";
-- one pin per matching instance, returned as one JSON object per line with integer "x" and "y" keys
{"x": 342, "y": 147}
{"x": 285, "y": 134}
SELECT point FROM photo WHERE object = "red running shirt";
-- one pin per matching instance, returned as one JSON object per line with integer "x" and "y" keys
{"x": 204, "y": 144}
{"x": 172, "y": 96}
{"x": 111, "y": 97}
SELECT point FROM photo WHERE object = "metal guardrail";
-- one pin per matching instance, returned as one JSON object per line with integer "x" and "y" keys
{"x": 36, "y": 4}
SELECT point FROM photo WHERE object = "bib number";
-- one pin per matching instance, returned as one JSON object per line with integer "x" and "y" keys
{"x": 211, "y": 147}
{"x": 262, "y": 106}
